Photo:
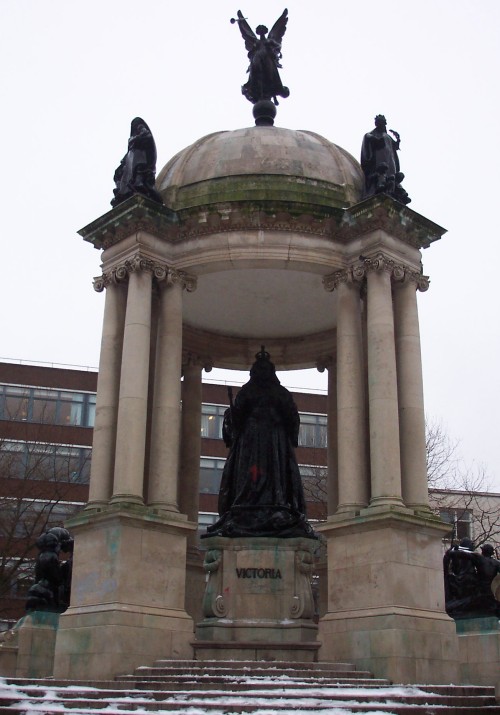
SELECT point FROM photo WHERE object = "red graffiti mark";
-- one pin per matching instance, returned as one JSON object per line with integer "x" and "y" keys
{"x": 254, "y": 473}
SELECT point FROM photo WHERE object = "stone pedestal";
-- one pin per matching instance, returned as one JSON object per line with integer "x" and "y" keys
{"x": 127, "y": 602}
{"x": 479, "y": 651}
{"x": 27, "y": 651}
{"x": 386, "y": 598}
{"x": 258, "y": 601}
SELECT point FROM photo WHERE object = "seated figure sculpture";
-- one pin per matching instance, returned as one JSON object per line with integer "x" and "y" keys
{"x": 137, "y": 169}
{"x": 261, "y": 490}
{"x": 468, "y": 578}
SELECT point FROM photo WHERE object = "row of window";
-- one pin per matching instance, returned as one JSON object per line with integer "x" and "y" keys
{"x": 47, "y": 406}
{"x": 312, "y": 431}
{"x": 43, "y": 461}
{"x": 63, "y": 407}
{"x": 64, "y": 463}
{"x": 313, "y": 478}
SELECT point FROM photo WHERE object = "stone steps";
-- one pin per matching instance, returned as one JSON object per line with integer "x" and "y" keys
{"x": 257, "y": 688}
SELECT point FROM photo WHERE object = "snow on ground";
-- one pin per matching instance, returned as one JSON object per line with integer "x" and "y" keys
{"x": 287, "y": 702}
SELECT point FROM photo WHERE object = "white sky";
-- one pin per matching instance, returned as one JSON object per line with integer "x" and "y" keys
{"x": 74, "y": 74}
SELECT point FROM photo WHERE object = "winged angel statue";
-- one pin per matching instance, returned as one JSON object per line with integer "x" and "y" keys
{"x": 264, "y": 53}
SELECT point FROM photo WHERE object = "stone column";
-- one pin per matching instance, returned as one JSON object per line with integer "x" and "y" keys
{"x": 382, "y": 385}
{"x": 410, "y": 391}
{"x": 332, "y": 486}
{"x": 332, "y": 440}
{"x": 132, "y": 407}
{"x": 189, "y": 476}
{"x": 352, "y": 468}
{"x": 166, "y": 415}
{"x": 108, "y": 388}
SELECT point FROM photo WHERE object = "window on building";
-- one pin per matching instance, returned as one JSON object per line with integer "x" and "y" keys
{"x": 314, "y": 482}
{"x": 44, "y": 461}
{"x": 47, "y": 406}
{"x": 212, "y": 417}
{"x": 460, "y": 521}
{"x": 14, "y": 402}
{"x": 210, "y": 475}
{"x": 313, "y": 430}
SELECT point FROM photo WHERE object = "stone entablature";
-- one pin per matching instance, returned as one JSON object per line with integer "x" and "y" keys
{"x": 337, "y": 224}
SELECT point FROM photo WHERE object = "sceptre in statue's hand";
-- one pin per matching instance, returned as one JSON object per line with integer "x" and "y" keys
{"x": 264, "y": 81}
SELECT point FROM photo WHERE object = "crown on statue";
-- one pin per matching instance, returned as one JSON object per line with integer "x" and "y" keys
{"x": 262, "y": 354}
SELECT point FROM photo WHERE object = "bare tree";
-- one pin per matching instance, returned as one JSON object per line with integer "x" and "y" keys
{"x": 314, "y": 482}
{"x": 37, "y": 488}
{"x": 459, "y": 492}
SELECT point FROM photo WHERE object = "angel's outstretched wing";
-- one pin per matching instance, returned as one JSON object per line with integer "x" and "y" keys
{"x": 247, "y": 33}
{"x": 279, "y": 28}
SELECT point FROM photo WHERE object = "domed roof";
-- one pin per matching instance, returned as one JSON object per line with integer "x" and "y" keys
{"x": 261, "y": 164}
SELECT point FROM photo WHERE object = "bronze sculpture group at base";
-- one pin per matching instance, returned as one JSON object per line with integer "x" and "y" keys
{"x": 52, "y": 588}
{"x": 468, "y": 578}
{"x": 261, "y": 490}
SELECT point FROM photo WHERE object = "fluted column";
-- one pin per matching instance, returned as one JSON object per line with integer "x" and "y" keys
{"x": 382, "y": 385}
{"x": 410, "y": 391}
{"x": 352, "y": 468}
{"x": 189, "y": 475}
{"x": 132, "y": 407}
{"x": 166, "y": 415}
{"x": 108, "y": 388}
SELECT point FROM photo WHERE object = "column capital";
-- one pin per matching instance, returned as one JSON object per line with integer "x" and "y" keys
{"x": 161, "y": 272}
{"x": 325, "y": 362}
{"x": 350, "y": 276}
{"x": 205, "y": 362}
{"x": 355, "y": 274}
{"x": 170, "y": 277}
{"x": 418, "y": 280}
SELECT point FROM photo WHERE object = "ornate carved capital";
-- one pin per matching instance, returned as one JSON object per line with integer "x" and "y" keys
{"x": 203, "y": 361}
{"x": 160, "y": 271}
{"x": 399, "y": 273}
{"x": 170, "y": 277}
{"x": 351, "y": 276}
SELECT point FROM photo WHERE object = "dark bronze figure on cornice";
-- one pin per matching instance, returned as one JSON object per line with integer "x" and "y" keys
{"x": 137, "y": 171}
{"x": 380, "y": 162}
{"x": 264, "y": 82}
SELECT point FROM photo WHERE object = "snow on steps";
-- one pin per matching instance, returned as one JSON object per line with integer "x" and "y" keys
{"x": 259, "y": 688}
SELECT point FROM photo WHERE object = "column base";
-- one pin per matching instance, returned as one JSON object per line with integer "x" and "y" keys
{"x": 128, "y": 592}
{"x": 100, "y": 642}
{"x": 386, "y": 597}
{"x": 127, "y": 499}
{"x": 405, "y": 646}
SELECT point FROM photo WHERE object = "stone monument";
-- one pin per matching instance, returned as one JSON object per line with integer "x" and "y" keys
{"x": 260, "y": 235}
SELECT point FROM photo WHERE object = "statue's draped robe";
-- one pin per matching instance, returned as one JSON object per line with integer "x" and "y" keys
{"x": 378, "y": 149}
{"x": 261, "y": 489}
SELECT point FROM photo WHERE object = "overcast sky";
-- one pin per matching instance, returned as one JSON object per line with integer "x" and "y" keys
{"x": 74, "y": 74}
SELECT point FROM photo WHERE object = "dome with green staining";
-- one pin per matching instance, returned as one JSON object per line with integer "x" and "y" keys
{"x": 262, "y": 165}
